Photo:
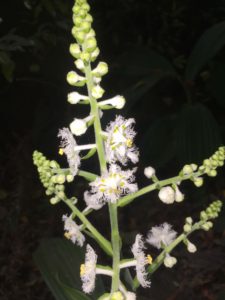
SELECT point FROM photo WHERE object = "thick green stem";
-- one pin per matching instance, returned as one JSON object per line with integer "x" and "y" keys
{"x": 103, "y": 166}
{"x": 103, "y": 242}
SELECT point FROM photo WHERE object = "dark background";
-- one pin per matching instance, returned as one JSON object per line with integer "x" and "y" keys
{"x": 180, "y": 119}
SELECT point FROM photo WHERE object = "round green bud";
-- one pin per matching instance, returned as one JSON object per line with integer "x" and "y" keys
{"x": 210, "y": 224}
{"x": 203, "y": 215}
{"x": 76, "y": 9}
{"x": 75, "y": 50}
{"x": 88, "y": 18}
{"x": 59, "y": 188}
{"x": 54, "y": 200}
{"x": 206, "y": 162}
{"x": 198, "y": 182}
{"x": 60, "y": 178}
{"x": 187, "y": 170}
{"x": 220, "y": 163}
{"x": 187, "y": 228}
{"x": 95, "y": 54}
{"x": 86, "y": 7}
{"x": 194, "y": 167}
{"x": 189, "y": 220}
{"x": 205, "y": 227}
{"x": 202, "y": 168}
{"x": 117, "y": 296}
{"x": 212, "y": 173}
{"x": 214, "y": 163}
{"x": 78, "y": 35}
{"x": 85, "y": 57}
{"x": 82, "y": 13}
{"x": 48, "y": 192}
{"x": 77, "y": 20}
{"x": 72, "y": 78}
{"x": 69, "y": 178}
{"x": 91, "y": 44}
{"x": 54, "y": 164}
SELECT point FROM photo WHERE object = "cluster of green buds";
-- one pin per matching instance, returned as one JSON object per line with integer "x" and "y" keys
{"x": 51, "y": 176}
{"x": 210, "y": 213}
{"x": 209, "y": 167}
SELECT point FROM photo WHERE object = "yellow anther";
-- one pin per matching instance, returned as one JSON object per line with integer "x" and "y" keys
{"x": 82, "y": 270}
{"x": 67, "y": 235}
{"x": 61, "y": 152}
{"x": 129, "y": 143}
{"x": 149, "y": 259}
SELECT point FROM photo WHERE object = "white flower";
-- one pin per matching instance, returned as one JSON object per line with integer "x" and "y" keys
{"x": 169, "y": 261}
{"x": 119, "y": 144}
{"x": 179, "y": 197}
{"x": 73, "y": 231}
{"x": 191, "y": 247}
{"x": 149, "y": 172}
{"x": 167, "y": 195}
{"x": 161, "y": 236}
{"x": 137, "y": 250}
{"x": 92, "y": 201}
{"x": 111, "y": 186}
{"x": 75, "y": 97}
{"x": 97, "y": 92}
{"x": 88, "y": 270}
{"x": 117, "y": 102}
{"x": 68, "y": 145}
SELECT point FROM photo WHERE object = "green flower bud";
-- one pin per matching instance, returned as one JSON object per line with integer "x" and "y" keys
{"x": 206, "y": 162}
{"x": 91, "y": 44}
{"x": 86, "y": 7}
{"x": 48, "y": 192}
{"x": 203, "y": 215}
{"x": 69, "y": 178}
{"x": 210, "y": 224}
{"x": 86, "y": 26}
{"x": 76, "y": 9}
{"x": 82, "y": 13}
{"x": 194, "y": 167}
{"x": 85, "y": 56}
{"x": 105, "y": 297}
{"x": 187, "y": 228}
{"x": 95, "y": 54}
{"x": 198, "y": 182}
{"x": 187, "y": 170}
{"x": 220, "y": 163}
{"x": 205, "y": 227}
{"x": 61, "y": 195}
{"x": 75, "y": 50}
{"x": 212, "y": 173}
{"x": 202, "y": 168}
{"x": 189, "y": 220}
{"x": 101, "y": 69}
{"x": 54, "y": 200}
{"x": 60, "y": 178}
{"x": 117, "y": 296}
{"x": 77, "y": 20}
{"x": 78, "y": 35}
{"x": 88, "y": 18}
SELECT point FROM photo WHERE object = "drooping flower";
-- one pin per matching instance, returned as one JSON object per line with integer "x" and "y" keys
{"x": 69, "y": 147}
{"x": 72, "y": 231}
{"x": 88, "y": 270}
{"x": 111, "y": 186}
{"x": 119, "y": 143}
{"x": 179, "y": 197}
{"x": 161, "y": 236}
{"x": 139, "y": 255}
{"x": 149, "y": 172}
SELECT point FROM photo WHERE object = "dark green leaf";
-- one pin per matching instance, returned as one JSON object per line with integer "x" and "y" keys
{"x": 59, "y": 262}
{"x": 209, "y": 44}
{"x": 197, "y": 134}
{"x": 217, "y": 82}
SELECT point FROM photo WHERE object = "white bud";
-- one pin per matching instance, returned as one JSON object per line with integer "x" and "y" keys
{"x": 75, "y": 97}
{"x": 167, "y": 195}
{"x": 78, "y": 127}
{"x": 97, "y": 92}
{"x": 149, "y": 172}
{"x": 179, "y": 197}
{"x": 117, "y": 102}
{"x": 191, "y": 247}
{"x": 101, "y": 69}
{"x": 79, "y": 64}
{"x": 170, "y": 261}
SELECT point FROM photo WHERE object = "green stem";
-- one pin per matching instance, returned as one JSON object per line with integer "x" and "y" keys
{"x": 160, "y": 258}
{"x": 129, "y": 198}
{"x": 103, "y": 242}
{"x": 103, "y": 166}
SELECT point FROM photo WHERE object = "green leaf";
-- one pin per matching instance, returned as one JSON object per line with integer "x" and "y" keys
{"x": 158, "y": 142}
{"x": 209, "y": 44}
{"x": 217, "y": 82}
{"x": 59, "y": 262}
{"x": 197, "y": 134}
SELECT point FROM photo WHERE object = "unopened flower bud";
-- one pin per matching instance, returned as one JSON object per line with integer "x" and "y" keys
{"x": 85, "y": 56}
{"x": 187, "y": 228}
{"x": 203, "y": 215}
{"x": 198, "y": 181}
{"x": 179, "y": 197}
{"x": 187, "y": 170}
{"x": 60, "y": 178}
{"x": 117, "y": 296}
{"x": 101, "y": 69}
{"x": 78, "y": 127}
{"x": 75, "y": 97}
{"x": 170, "y": 261}
{"x": 191, "y": 247}
{"x": 212, "y": 173}
{"x": 79, "y": 64}
{"x": 167, "y": 195}
{"x": 91, "y": 44}
{"x": 95, "y": 54}
{"x": 75, "y": 50}
{"x": 54, "y": 200}
{"x": 69, "y": 178}
{"x": 194, "y": 167}
{"x": 149, "y": 172}
{"x": 97, "y": 92}
{"x": 74, "y": 79}
{"x": 189, "y": 220}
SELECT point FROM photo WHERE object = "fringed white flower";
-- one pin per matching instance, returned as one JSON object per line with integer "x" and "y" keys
{"x": 111, "y": 186}
{"x": 161, "y": 236}
{"x": 88, "y": 270}
{"x": 119, "y": 144}
{"x": 72, "y": 231}
{"x": 68, "y": 145}
{"x": 137, "y": 250}
{"x": 92, "y": 201}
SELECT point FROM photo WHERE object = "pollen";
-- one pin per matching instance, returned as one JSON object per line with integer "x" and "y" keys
{"x": 61, "y": 152}
{"x": 82, "y": 270}
{"x": 149, "y": 259}
{"x": 67, "y": 235}
{"x": 129, "y": 143}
